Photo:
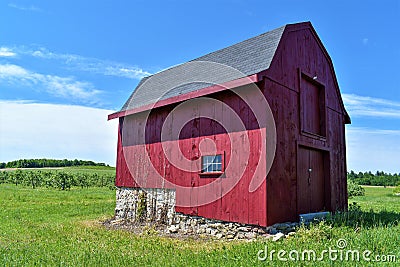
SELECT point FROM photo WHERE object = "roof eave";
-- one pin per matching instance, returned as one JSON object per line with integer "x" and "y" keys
{"x": 347, "y": 119}
{"x": 175, "y": 99}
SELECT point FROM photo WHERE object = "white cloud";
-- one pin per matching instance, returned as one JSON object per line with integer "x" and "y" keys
{"x": 12, "y": 71}
{"x": 124, "y": 71}
{"x": 25, "y": 8}
{"x": 33, "y": 130}
{"x": 373, "y": 149}
{"x": 364, "y": 106}
{"x": 66, "y": 87}
{"x": 365, "y": 41}
{"x": 80, "y": 63}
{"x": 6, "y": 52}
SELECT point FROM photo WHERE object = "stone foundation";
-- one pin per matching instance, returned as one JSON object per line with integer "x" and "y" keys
{"x": 145, "y": 205}
{"x": 189, "y": 225}
{"x": 157, "y": 205}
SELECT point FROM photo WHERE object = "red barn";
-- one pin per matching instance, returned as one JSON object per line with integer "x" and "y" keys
{"x": 252, "y": 133}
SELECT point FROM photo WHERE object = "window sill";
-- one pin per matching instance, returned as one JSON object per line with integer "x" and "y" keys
{"x": 313, "y": 135}
{"x": 211, "y": 174}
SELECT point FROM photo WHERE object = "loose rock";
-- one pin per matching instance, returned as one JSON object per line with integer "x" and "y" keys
{"x": 272, "y": 231}
{"x": 240, "y": 236}
{"x": 186, "y": 225}
{"x": 250, "y": 235}
{"x": 173, "y": 229}
{"x": 219, "y": 236}
{"x": 278, "y": 236}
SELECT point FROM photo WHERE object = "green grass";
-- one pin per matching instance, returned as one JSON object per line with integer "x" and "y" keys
{"x": 49, "y": 227}
{"x": 89, "y": 170}
{"x": 109, "y": 168}
{"x": 378, "y": 198}
{"x": 61, "y": 178}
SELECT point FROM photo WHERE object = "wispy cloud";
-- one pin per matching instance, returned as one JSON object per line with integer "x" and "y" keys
{"x": 123, "y": 71}
{"x": 80, "y": 63}
{"x": 66, "y": 87}
{"x": 12, "y": 71}
{"x": 382, "y": 132}
{"x": 25, "y": 8}
{"x": 6, "y": 52}
{"x": 365, "y": 106}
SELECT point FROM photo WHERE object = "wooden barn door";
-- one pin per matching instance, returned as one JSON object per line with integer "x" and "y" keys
{"x": 310, "y": 180}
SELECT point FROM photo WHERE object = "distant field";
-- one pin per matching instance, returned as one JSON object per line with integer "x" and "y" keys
{"x": 378, "y": 198}
{"x": 50, "y": 227}
{"x": 70, "y": 169}
{"x": 63, "y": 178}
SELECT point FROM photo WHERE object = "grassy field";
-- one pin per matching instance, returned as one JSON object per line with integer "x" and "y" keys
{"x": 50, "y": 227}
{"x": 78, "y": 169}
{"x": 61, "y": 177}
{"x": 378, "y": 198}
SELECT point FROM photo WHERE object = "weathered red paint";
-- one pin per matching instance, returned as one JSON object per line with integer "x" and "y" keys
{"x": 308, "y": 137}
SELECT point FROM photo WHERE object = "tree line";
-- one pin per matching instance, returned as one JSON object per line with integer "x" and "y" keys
{"x": 379, "y": 178}
{"x": 57, "y": 179}
{"x": 41, "y": 163}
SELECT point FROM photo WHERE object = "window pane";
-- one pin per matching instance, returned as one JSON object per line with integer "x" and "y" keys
{"x": 211, "y": 163}
{"x": 218, "y": 167}
{"x": 209, "y": 168}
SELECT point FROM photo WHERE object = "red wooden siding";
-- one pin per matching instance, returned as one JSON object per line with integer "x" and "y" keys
{"x": 298, "y": 60}
{"x": 184, "y": 148}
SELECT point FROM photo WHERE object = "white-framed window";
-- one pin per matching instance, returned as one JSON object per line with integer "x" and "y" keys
{"x": 212, "y": 163}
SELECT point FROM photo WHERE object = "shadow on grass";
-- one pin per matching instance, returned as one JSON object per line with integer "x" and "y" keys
{"x": 356, "y": 217}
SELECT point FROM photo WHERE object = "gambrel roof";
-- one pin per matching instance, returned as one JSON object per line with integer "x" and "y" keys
{"x": 248, "y": 57}
{"x": 242, "y": 60}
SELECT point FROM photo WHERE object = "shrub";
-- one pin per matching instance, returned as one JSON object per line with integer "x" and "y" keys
{"x": 318, "y": 231}
{"x": 354, "y": 189}
{"x": 396, "y": 190}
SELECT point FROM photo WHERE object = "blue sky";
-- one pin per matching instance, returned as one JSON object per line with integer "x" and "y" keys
{"x": 66, "y": 64}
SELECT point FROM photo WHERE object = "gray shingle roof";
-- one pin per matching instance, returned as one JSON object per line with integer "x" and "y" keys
{"x": 239, "y": 60}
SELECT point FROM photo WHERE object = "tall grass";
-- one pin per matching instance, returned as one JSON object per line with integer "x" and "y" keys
{"x": 49, "y": 227}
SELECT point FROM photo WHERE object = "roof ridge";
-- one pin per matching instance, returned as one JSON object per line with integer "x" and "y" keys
{"x": 247, "y": 57}
{"x": 241, "y": 42}
{"x": 197, "y": 59}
